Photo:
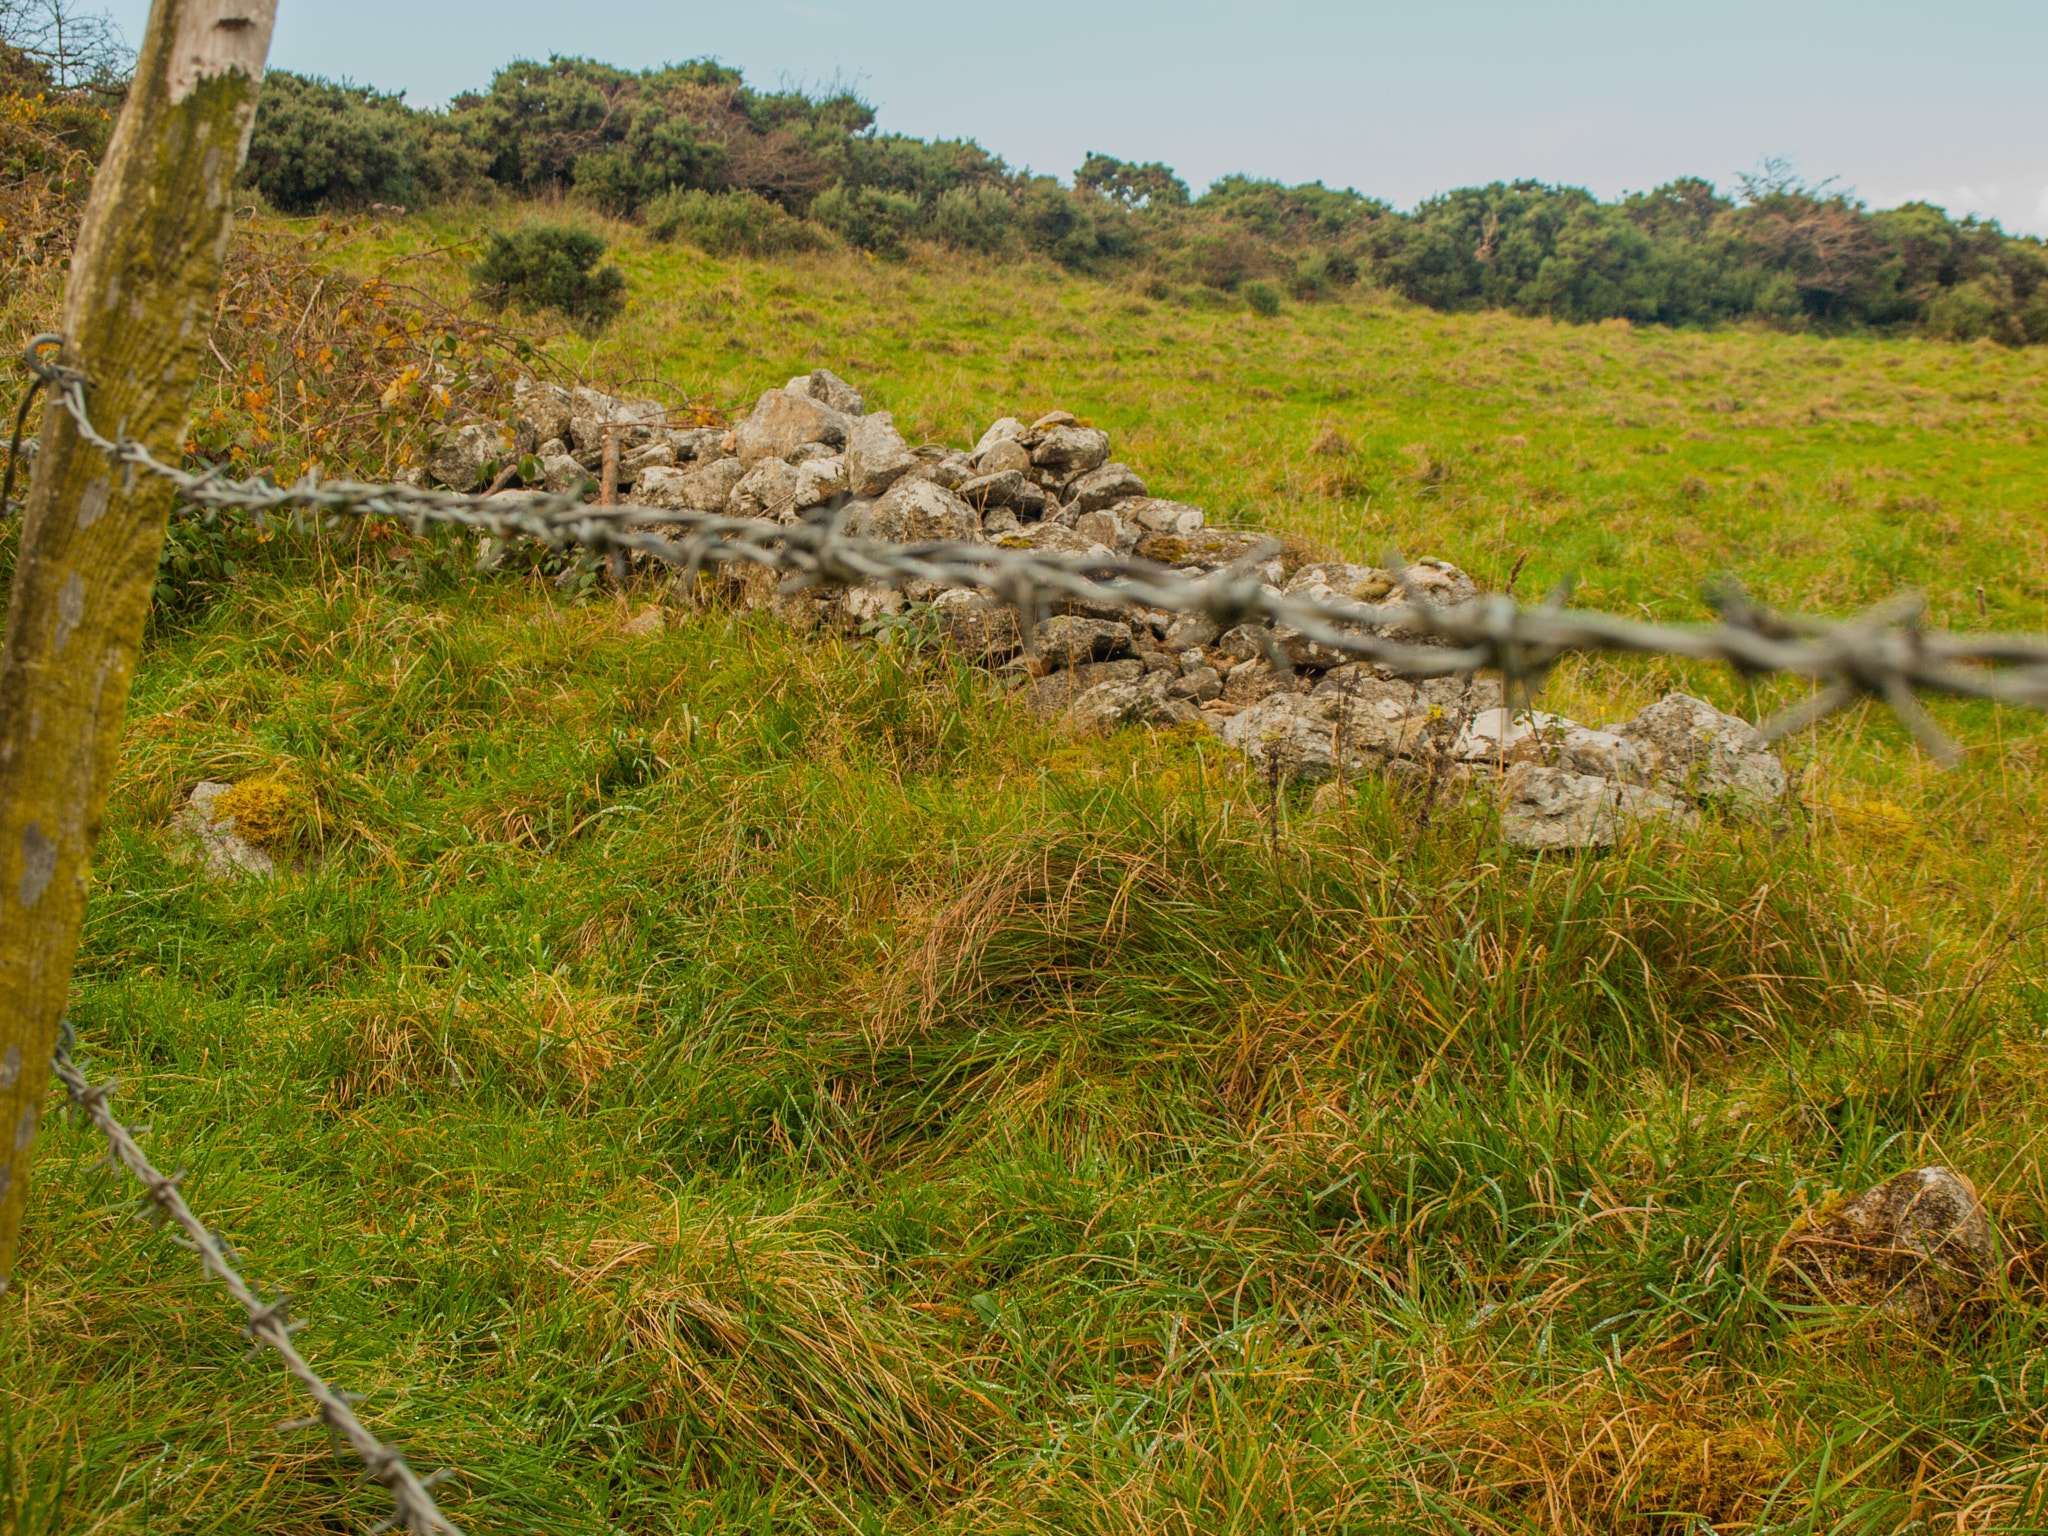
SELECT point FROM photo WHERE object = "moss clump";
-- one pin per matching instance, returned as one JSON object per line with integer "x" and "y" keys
{"x": 1166, "y": 548}
{"x": 275, "y": 811}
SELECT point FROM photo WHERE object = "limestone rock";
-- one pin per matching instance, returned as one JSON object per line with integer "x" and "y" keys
{"x": 562, "y": 474}
{"x": 1004, "y": 455}
{"x": 1453, "y": 700}
{"x": 1309, "y": 731}
{"x": 948, "y": 468}
{"x": 708, "y": 487}
{"x": 1603, "y": 754}
{"x": 1049, "y": 421}
{"x": 1241, "y": 643}
{"x": 1007, "y": 488}
{"x": 1001, "y": 430}
{"x": 221, "y": 851}
{"x": 1288, "y": 731}
{"x": 701, "y": 444}
{"x": 828, "y": 389}
{"x": 1345, "y": 581}
{"x": 1501, "y": 737}
{"x": 1068, "y": 641}
{"x": 466, "y": 453}
{"x": 1067, "y": 451}
{"x": 818, "y": 481}
{"x": 1108, "y": 705}
{"x": 1554, "y": 808}
{"x": 1440, "y": 582}
{"x": 653, "y": 455}
{"x": 544, "y": 411}
{"x": 1695, "y": 748}
{"x": 1052, "y": 694}
{"x": 914, "y": 511}
{"x": 1305, "y": 652}
{"x": 980, "y": 627}
{"x": 635, "y": 421}
{"x": 1250, "y": 681}
{"x": 767, "y": 490}
{"x": 1915, "y": 1247}
{"x": 1176, "y": 519}
{"x": 704, "y": 488}
{"x": 1108, "y": 530}
{"x": 876, "y": 457}
{"x": 1096, "y": 489}
{"x": 1051, "y": 538}
{"x": 781, "y": 422}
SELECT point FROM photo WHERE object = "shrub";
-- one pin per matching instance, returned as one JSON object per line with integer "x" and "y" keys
{"x": 316, "y": 142}
{"x": 550, "y": 266}
{"x": 732, "y": 224}
{"x": 320, "y": 144}
{"x": 974, "y": 219}
{"x": 1220, "y": 258}
{"x": 1079, "y": 230}
{"x": 1135, "y": 186}
{"x": 870, "y": 218}
{"x": 1318, "y": 274}
{"x": 623, "y": 138}
{"x": 1965, "y": 312}
{"x": 1308, "y": 212}
{"x": 1264, "y": 299}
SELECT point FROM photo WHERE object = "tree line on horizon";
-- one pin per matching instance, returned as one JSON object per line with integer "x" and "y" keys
{"x": 694, "y": 153}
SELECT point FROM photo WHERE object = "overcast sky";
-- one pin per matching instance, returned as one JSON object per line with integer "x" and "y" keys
{"x": 1937, "y": 101}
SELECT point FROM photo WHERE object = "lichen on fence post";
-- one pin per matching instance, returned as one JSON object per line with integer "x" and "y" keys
{"x": 136, "y": 314}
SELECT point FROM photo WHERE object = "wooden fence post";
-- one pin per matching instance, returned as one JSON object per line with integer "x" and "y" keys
{"x": 137, "y": 311}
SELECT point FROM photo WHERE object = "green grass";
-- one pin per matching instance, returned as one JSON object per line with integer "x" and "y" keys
{"x": 1826, "y": 471}
{"x": 709, "y": 1081}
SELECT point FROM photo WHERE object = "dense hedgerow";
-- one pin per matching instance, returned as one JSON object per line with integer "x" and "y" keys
{"x": 703, "y": 157}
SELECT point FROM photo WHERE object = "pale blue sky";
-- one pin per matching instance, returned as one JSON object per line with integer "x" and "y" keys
{"x": 1943, "y": 101}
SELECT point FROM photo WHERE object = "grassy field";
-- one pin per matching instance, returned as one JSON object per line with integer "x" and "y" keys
{"x": 704, "y": 1081}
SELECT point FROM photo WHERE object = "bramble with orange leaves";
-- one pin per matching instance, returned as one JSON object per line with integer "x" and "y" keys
{"x": 50, "y": 143}
{"x": 319, "y": 371}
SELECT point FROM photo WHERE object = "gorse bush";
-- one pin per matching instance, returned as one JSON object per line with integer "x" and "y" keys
{"x": 550, "y": 266}
{"x": 1781, "y": 250}
{"x": 701, "y": 156}
{"x": 317, "y": 144}
{"x": 872, "y": 218}
{"x": 732, "y": 224}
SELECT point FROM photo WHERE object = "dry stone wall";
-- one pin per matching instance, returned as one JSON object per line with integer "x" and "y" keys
{"x": 1053, "y": 485}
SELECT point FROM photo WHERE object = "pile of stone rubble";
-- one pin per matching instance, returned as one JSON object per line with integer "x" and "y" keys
{"x": 1290, "y": 705}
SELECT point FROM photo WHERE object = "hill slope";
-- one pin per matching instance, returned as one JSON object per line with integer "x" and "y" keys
{"x": 702, "y": 1080}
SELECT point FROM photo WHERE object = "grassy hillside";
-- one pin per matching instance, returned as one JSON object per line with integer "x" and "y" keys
{"x": 702, "y": 1081}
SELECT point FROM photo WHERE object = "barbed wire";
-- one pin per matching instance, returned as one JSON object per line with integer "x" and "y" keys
{"x": 269, "y": 1322}
{"x": 1886, "y": 654}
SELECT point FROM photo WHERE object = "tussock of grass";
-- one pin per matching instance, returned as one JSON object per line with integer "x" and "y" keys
{"x": 718, "y": 1080}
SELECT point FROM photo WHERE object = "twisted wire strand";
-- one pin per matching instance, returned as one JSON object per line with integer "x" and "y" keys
{"x": 1885, "y": 654}
{"x": 270, "y": 1323}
